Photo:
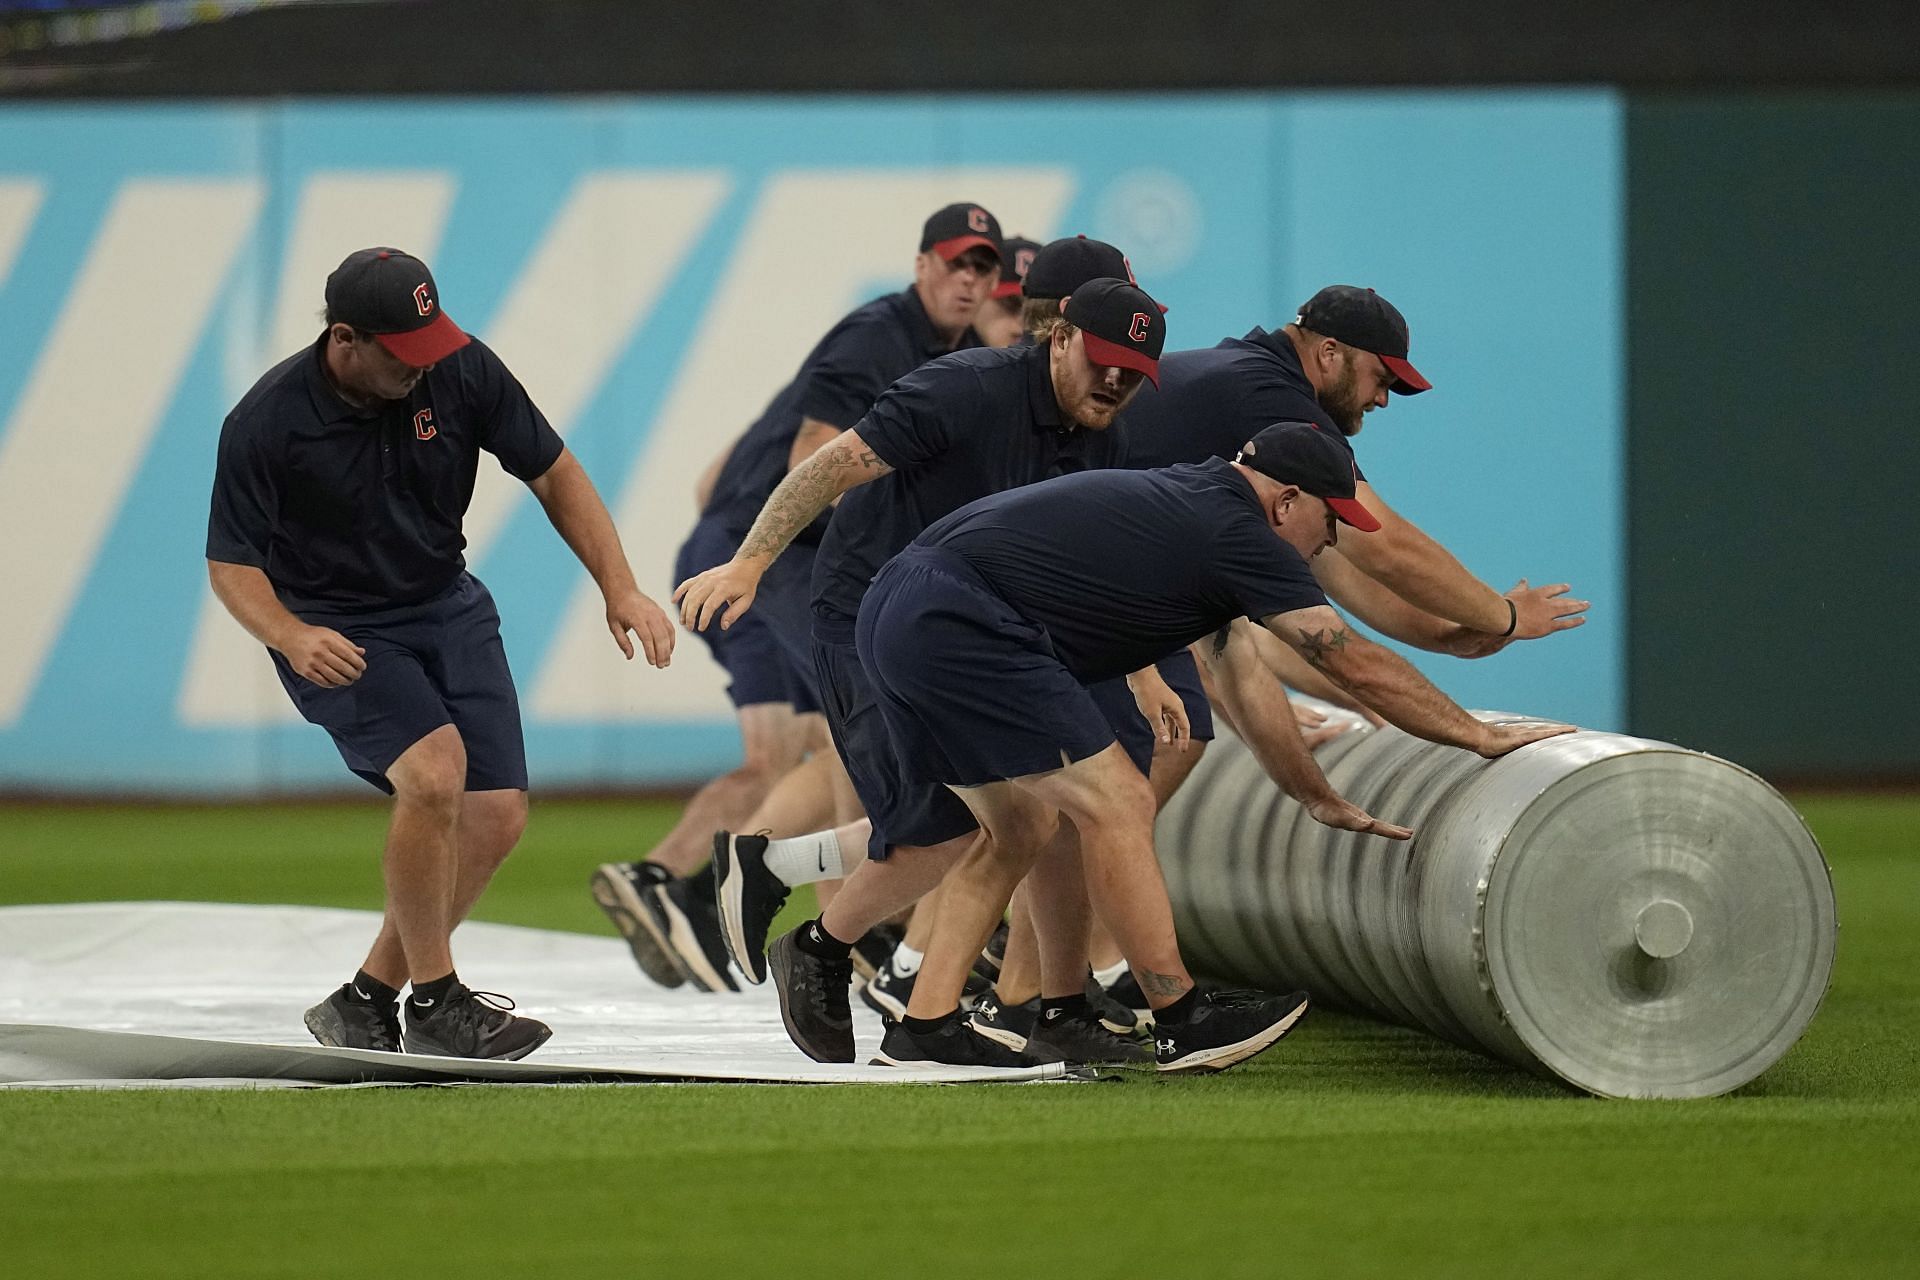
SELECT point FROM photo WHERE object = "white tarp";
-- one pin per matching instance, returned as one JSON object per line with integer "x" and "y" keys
{"x": 106, "y": 995}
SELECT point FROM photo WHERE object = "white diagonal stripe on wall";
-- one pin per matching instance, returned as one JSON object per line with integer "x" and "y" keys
{"x": 600, "y": 269}
{"x": 19, "y": 201}
{"x": 229, "y": 679}
{"x": 143, "y": 296}
{"x": 814, "y": 240}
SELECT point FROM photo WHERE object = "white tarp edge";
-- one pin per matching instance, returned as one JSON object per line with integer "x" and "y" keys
{"x": 157, "y": 994}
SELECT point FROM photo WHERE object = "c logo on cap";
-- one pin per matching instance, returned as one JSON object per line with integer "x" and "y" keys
{"x": 421, "y": 299}
{"x": 1142, "y": 322}
{"x": 977, "y": 220}
{"x": 1023, "y": 262}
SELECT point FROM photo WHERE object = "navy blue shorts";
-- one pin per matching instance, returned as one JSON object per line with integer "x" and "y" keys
{"x": 1130, "y": 728}
{"x": 1182, "y": 674}
{"x": 905, "y": 806}
{"x": 784, "y": 603}
{"x": 428, "y": 665}
{"x": 756, "y": 671}
{"x": 971, "y": 691}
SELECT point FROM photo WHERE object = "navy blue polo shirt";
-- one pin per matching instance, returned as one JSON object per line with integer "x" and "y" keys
{"x": 1124, "y": 567}
{"x": 965, "y": 426}
{"x": 353, "y": 509}
{"x": 842, "y": 376}
{"x": 1213, "y": 400}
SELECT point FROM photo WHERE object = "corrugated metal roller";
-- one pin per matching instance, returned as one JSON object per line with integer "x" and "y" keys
{"x": 1630, "y": 917}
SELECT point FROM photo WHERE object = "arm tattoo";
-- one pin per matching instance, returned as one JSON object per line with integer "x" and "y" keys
{"x": 1161, "y": 984}
{"x": 804, "y": 494}
{"x": 1316, "y": 645}
{"x": 1220, "y": 638}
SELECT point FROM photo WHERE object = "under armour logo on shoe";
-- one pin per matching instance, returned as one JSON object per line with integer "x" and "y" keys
{"x": 1164, "y": 1046}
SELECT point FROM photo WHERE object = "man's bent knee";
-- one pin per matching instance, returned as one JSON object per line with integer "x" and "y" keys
{"x": 433, "y": 771}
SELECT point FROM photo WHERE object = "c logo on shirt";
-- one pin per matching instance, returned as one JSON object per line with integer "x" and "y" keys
{"x": 423, "y": 421}
{"x": 977, "y": 220}
{"x": 1138, "y": 329}
{"x": 422, "y": 300}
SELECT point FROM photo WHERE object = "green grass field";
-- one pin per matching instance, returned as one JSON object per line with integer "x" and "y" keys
{"x": 1351, "y": 1149}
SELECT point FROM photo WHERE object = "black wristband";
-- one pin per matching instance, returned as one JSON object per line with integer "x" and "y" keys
{"x": 1513, "y": 618}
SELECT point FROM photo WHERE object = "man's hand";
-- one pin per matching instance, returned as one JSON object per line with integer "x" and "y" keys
{"x": 633, "y": 611}
{"x": 324, "y": 656}
{"x": 725, "y": 591}
{"x": 1502, "y": 738}
{"x": 1540, "y": 611}
{"x": 1334, "y": 811}
{"x": 1166, "y": 714}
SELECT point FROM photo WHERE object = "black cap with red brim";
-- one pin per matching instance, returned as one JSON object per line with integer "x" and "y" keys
{"x": 1016, "y": 256}
{"x": 1362, "y": 318}
{"x": 1301, "y": 454}
{"x": 957, "y": 228}
{"x": 391, "y": 295}
{"x": 1064, "y": 265}
{"x": 1121, "y": 326}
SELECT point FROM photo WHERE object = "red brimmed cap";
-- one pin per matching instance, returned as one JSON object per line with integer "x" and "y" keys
{"x": 1362, "y": 318}
{"x": 1299, "y": 453}
{"x": 1064, "y": 265}
{"x": 391, "y": 295}
{"x": 1016, "y": 255}
{"x": 1121, "y": 326}
{"x": 957, "y": 228}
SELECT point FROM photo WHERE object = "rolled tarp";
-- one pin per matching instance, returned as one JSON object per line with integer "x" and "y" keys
{"x": 1627, "y": 916}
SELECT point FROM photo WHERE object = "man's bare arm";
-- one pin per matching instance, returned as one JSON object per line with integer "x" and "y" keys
{"x": 1389, "y": 684}
{"x": 1380, "y": 607}
{"x": 1259, "y": 711}
{"x": 807, "y": 440}
{"x": 1427, "y": 576}
{"x": 318, "y": 654}
{"x": 574, "y": 508}
{"x": 844, "y": 462}
{"x": 726, "y": 591}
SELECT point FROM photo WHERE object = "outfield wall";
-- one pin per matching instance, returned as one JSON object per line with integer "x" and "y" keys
{"x": 654, "y": 271}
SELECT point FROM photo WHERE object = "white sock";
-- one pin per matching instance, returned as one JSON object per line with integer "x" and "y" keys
{"x": 805, "y": 859}
{"x": 1107, "y": 977}
{"x": 906, "y": 961}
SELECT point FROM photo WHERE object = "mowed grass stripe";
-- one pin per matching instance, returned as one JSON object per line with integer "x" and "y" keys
{"x": 1352, "y": 1149}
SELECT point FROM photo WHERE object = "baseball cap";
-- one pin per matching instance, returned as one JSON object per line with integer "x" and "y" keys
{"x": 1300, "y": 453}
{"x": 1362, "y": 318}
{"x": 1016, "y": 255}
{"x": 1121, "y": 326}
{"x": 957, "y": 228}
{"x": 391, "y": 295}
{"x": 1064, "y": 265}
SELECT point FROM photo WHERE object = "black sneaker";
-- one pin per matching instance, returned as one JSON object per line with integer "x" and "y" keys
{"x": 1008, "y": 1024}
{"x": 693, "y": 932}
{"x": 875, "y": 948}
{"x": 624, "y": 892}
{"x": 1227, "y": 1026}
{"x": 813, "y": 999}
{"x": 343, "y": 1022}
{"x": 748, "y": 897}
{"x": 473, "y": 1024}
{"x": 1113, "y": 1015}
{"x": 1085, "y": 1037}
{"x": 888, "y": 990}
{"x": 956, "y": 1044}
{"x": 1126, "y": 991}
